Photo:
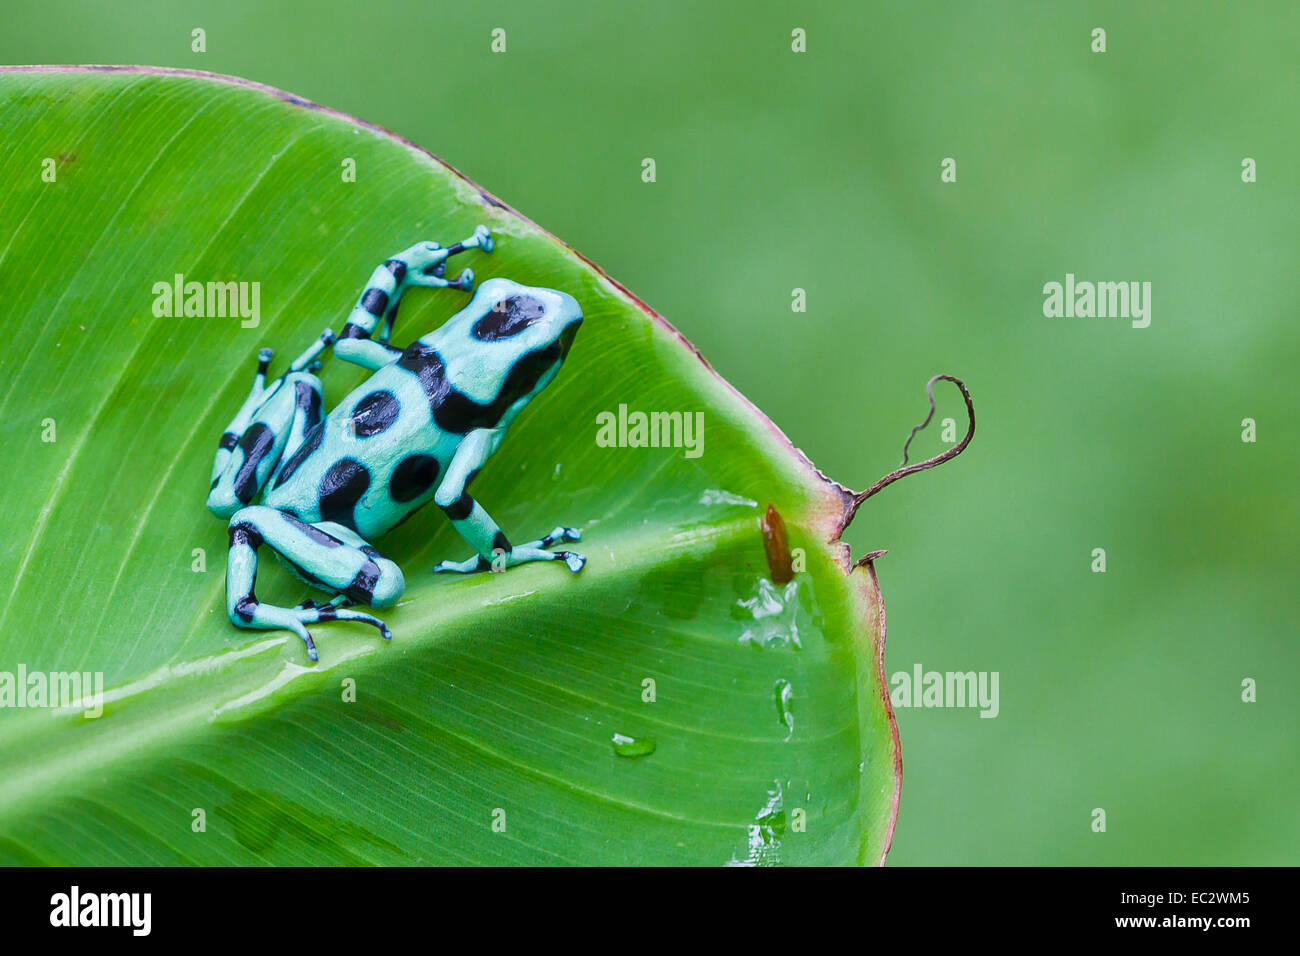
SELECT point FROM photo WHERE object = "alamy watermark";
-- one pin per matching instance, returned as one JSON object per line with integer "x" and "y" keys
{"x": 626, "y": 429}
{"x": 1102, "y": 300}
{"x": 922, "y": 688}
{"x": 129, "y": 910}
{"x": 208, "y": 300}
{"x": 76, "y": 690}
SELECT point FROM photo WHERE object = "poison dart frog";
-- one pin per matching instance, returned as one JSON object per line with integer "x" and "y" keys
{"x": 418, "y": 430}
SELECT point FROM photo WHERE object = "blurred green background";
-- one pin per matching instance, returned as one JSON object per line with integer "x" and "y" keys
{"x": 821, "y": 171}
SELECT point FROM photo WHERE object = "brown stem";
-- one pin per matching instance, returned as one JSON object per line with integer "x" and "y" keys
{"x": 907, "y": 469}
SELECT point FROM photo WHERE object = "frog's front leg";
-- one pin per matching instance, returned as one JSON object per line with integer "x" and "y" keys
{"x": 325, "y": 555}
{"x": 423, "y": 264}
{"x": 476, "y": 526}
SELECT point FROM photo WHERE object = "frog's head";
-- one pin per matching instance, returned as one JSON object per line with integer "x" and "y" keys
{"x": 519, "y": 322}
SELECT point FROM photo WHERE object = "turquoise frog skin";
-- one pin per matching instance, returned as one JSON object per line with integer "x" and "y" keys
{"x": 418, "y": 430}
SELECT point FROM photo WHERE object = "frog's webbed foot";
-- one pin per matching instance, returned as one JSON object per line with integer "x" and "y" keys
{"x": 338, "y": 612}
{"x": 434, "y": 274}
{"x": 509, "y": 557}
{"x": 255, "y": 614}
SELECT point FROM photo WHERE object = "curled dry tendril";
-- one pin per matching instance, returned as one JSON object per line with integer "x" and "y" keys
{"x": 905, "y": 469}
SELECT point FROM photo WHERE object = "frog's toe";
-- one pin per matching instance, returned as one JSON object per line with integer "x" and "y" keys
{"x": 336, "y": 612}
{"x": 466, "y": 279}
{"x": 527, "y": 553}
{"x": 485, "y": 240}
{"x": 292, "y": 620}
{"x": 558, "y": 533}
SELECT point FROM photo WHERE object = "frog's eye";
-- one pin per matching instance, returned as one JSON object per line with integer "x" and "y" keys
{"x": 508, "y": 317}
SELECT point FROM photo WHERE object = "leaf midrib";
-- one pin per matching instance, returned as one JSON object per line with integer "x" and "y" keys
{"x": 183, "y": 698}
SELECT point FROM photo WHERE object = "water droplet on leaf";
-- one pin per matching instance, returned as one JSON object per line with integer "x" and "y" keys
{"x": 626, "y": 746}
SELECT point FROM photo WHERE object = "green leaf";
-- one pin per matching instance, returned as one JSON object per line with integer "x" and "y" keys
{"x": 670, "y": 704}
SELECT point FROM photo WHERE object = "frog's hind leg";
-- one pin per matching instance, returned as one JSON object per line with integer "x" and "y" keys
{"x": 273, "y": 421}
{"x": 324, "y": 554}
